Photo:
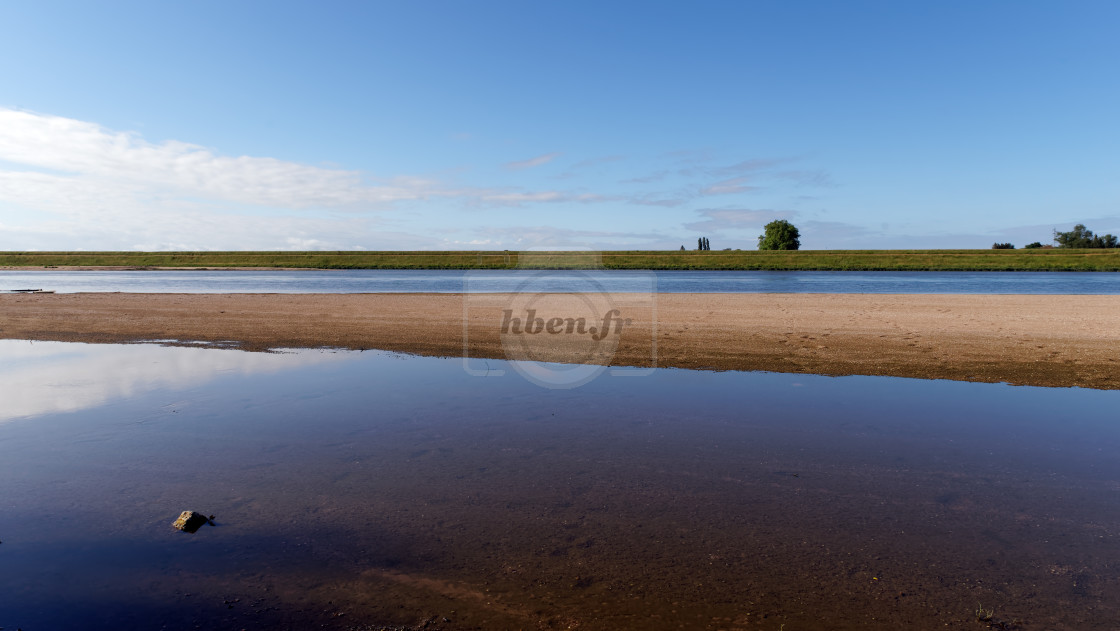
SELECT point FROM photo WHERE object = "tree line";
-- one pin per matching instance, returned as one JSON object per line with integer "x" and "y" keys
{"x": 777, "y": 235}
{"x": 782, "y": 235}
{"x": 1079, "y": 237}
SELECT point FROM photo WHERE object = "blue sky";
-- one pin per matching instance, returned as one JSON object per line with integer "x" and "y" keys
{"x": 529, "y": 125}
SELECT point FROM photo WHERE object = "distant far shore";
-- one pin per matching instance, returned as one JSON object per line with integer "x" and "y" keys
{"x": 1040, "y": 340}
{"x": 1039, "y": 260}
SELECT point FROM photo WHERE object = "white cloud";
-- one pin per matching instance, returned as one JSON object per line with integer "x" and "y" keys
{"x": 72, "y": 184}
{"x": 86, "y": 158}
{"x": 532, "y": 162}
{"x": 68, "y": 184}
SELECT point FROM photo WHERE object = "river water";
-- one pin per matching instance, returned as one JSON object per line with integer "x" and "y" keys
{"x": 441, "y": 281}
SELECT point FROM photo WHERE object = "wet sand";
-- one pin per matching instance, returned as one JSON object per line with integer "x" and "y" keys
{"x": 1022, "y": 339}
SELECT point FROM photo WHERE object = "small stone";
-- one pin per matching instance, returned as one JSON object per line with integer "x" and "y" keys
{"x": 190, "y": 521}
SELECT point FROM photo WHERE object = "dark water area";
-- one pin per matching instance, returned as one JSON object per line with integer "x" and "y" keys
{"x": 372, "y": 490}
{"x": 440, "y": 281}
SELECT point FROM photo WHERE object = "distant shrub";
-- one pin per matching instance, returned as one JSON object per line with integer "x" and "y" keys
{"x": 1032, "y": 246}
{"x": 1082, "y": 237}
{"x": 1002, "y": 246}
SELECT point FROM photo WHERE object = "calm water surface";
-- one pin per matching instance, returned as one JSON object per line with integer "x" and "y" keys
{"x": 368, "y": 490}
{"x": 439, "y": 281}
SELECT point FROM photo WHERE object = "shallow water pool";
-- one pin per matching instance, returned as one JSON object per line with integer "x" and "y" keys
{"x": 372, "y": 490}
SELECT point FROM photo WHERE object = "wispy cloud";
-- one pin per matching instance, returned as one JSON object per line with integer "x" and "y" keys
{"x": 648, "y": 178}
{"x": 581, "y": 167}
{"x": 808, "y": 179}
{"x": 552, "y": 237}
{"x": 532, "y": 162}
{"x": 520, "y": 198}
{"x": 594, "y": 162}
{"x": 699, "y": 156}
{"x": 664, "y": 200}
{"x": 697, "y": 174}
{"x": 816, "y": 234}
{"x": 720, "y": 219}
{"x": 729, "y": 187}
{"x": 742, "y": 167}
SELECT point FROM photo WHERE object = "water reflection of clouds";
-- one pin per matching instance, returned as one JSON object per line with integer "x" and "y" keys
{"x": 51, "y": 377}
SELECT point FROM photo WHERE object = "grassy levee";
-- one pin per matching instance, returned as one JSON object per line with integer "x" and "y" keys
{"x": 1056, "y": 259}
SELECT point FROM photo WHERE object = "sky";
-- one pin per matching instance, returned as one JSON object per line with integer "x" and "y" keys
{"x": 555, "y": 125}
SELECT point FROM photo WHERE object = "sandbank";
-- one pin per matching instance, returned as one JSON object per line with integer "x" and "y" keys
{"x": 1038, "y": 340}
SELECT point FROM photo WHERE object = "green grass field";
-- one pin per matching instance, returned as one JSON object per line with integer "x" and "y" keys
{"x": 854, "y": 260}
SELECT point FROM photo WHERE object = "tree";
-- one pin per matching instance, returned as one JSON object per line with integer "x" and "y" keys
{"x": 1082, "y": 237}
{"x": 779, "y": 235}
{"x": 1079, "y": 237}
{"x": 1033, "y": 246}
{"x": 1107, "y": 241}
{"x": 1002, "y": 246}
